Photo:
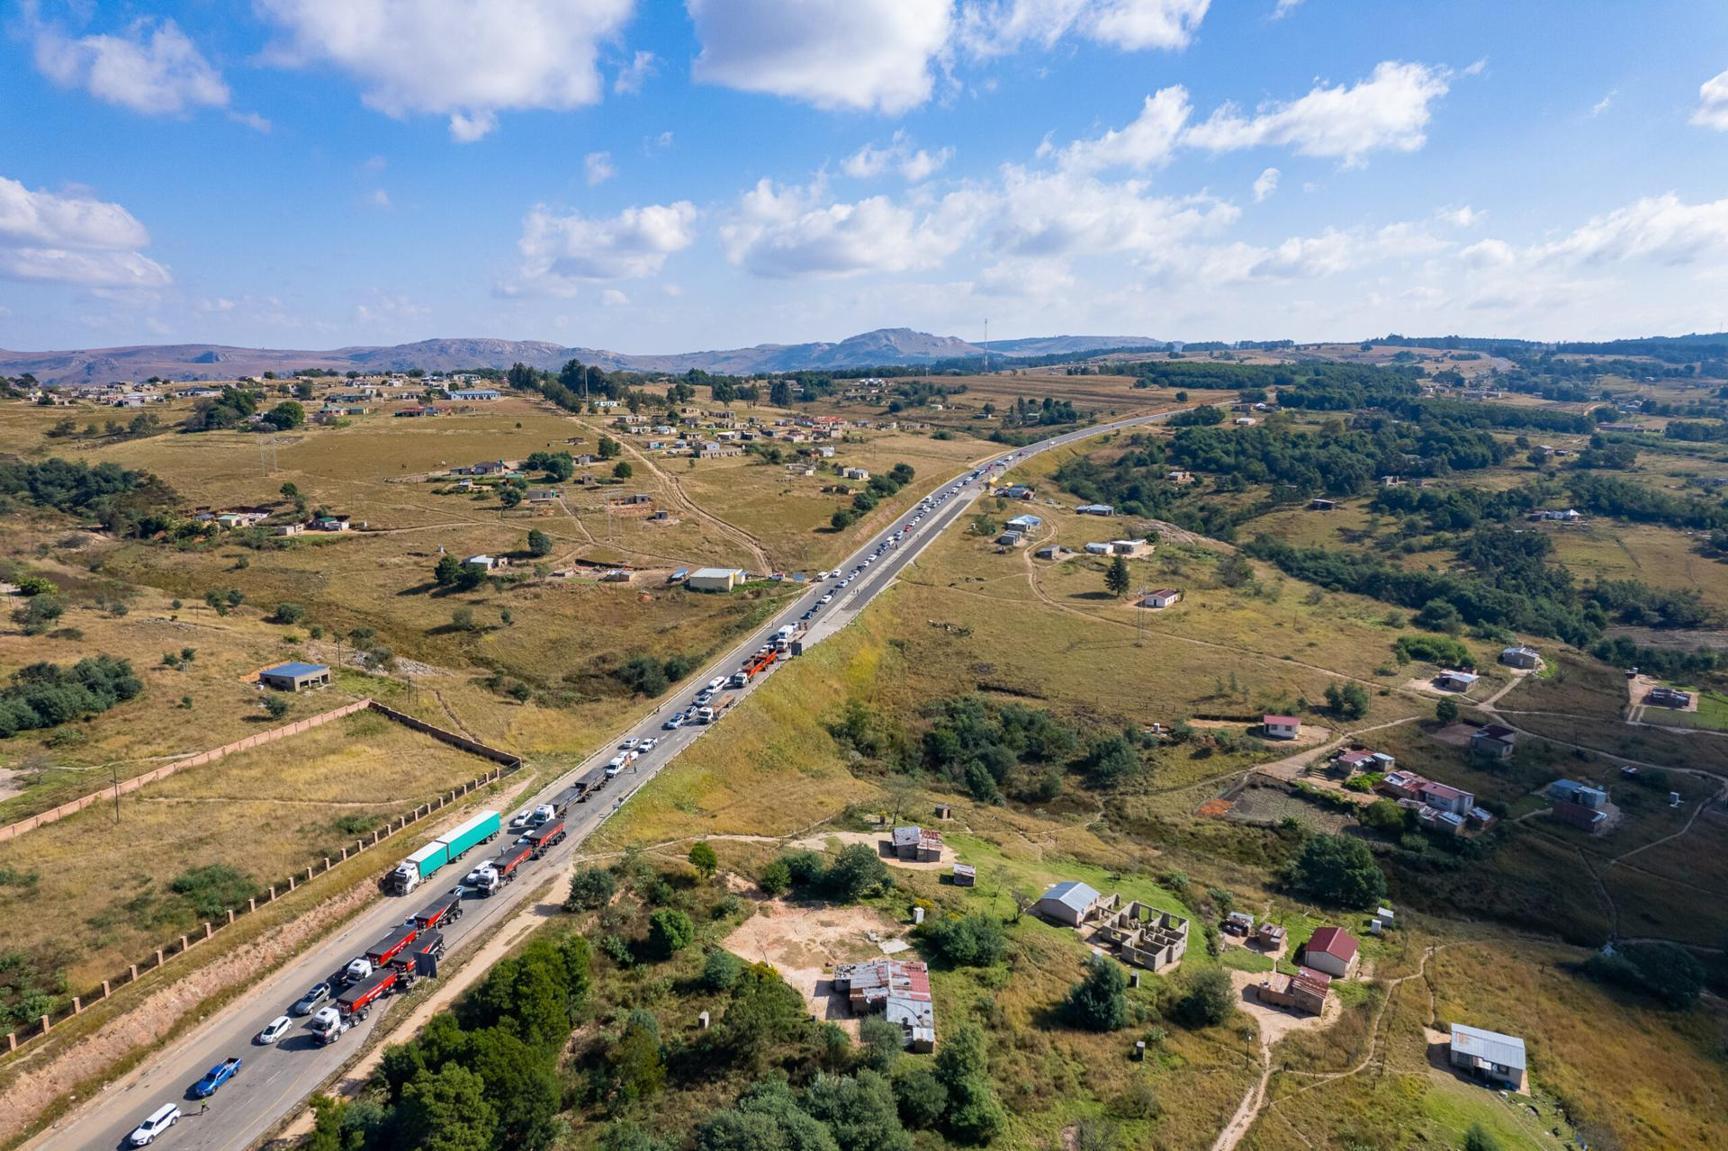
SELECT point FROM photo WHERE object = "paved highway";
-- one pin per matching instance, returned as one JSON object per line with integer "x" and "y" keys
{"x": 275, "y": 1080}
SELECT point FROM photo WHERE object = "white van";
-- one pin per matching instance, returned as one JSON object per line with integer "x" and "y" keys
{"x": 160, "y": 1120}
{"x": 717, "y": 683}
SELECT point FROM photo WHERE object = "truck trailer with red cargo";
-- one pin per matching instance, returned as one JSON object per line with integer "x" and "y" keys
{"x": 511, "y": 859}
{"x": 430, "y": 943}
{"x": 386, "y": 949}
{"x": 547, "y": 835}
{"x": 357, "y": 1000}
{"x": 444, "y": 909}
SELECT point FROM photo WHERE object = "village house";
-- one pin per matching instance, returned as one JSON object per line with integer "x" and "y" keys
{"x": 1097, "y": 549}
{"x": 1179, "y": 476}
{"x": 898, "y": 990}
{"x": 855, "y": 474}
{"x": 1320, "y": 505}
{"x": 486, "y": 562}
{"x": 1024, "y": 523}
{"x": 1280, "y": 726}
{"x": 1010, "y": 539}
{"x": 1496, "y": 1059}
{"x": 1162, "y": 598}
{"x": 1527, "y": 658}
{"x": 1142, "y": 936}
{"x": 330, "y": 523}
{"x": 917, "y": 844}
{"x": 1270, "y": 936}
{"x": 1331, "y": 950}
{"x": 475, "y": 395}
{"x": 1095, "y": 510}
{"x": 1493, "y": 741}
{"x": 1051, "y": 552}
{"x": 1305, "y": 991}
{"x": 1069, "y": 903}
{"x": 242, "y": 517}
{"x": 714, "y": 579}
{"x": 1442, "y": 797}
{"x": 1015, "y": 492}
{"x": 295, "y": 676}
{"x": 1239, "y": 923}
{"x": 1454, "y": 680}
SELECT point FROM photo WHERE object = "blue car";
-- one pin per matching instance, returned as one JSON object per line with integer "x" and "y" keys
{"x": 216, "y": 1077}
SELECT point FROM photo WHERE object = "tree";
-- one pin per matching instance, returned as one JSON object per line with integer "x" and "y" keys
{"x": 922, "y": 1098}
{"x": 1440, "y": 615}
{"x": 1099, "y": 1002}
{"x": 447, "y": 571}
{"x": 38, "y": 614}
{"x": 590, "y": 888}
{"x": 776, "y": 878}
{"x": 539, "y": 543}
{"x": 1383, "y": 815}
{"x": 622, "y": 470}
{"x": 1339, "y": 870}
{"x": 462, "y": 619}
{"x": 509, "y": 495}
{"x": 857, "y": 871}
{"x": 703, "y": 859}
{"x": 521, "y": 1084}
{"x": 1109, "y": 760}
{"x": 635, "y": 1059}
{"x": 1208, "y": 999}
{"x": 720, "y": 970}
{"x": 974, "y": 1114}
{"x": 609, "y": 448}
{"x": 669, "y": 932}
{"x": 1446, "y": 711}
{"x": 285, "y": 415}
{"x": 880, "y": 1043}
{"x": 859, "y": 1111}
{"x": 447, "y": 1110}
{"x": 1347, "y": 701}
{"x": 1117, "y": 579}
{"x": 276, "y": 706}
{"x": 289, "y": 613}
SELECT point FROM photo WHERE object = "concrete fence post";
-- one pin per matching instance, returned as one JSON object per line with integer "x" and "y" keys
{"x": 309, "y": 870}
{"x": 208, "y": 929}
{"x": 77, "y": 1005}
{"x": 272, "y": 893}
{"x": 158, "y": 957}
{"x": 326, "y": 865}
{"x": 230, "y": 915}
{"x": 252, "y": 903}
{"x": 132, "y": 973}
{"x": 106, "y": 991}
{"x": 290, "y": 884}
{"x": 344, "y": 853}
{"x": 45, "y": 1025}
{"x": 11, "y": 1042}
{"x": 183, "y": 944}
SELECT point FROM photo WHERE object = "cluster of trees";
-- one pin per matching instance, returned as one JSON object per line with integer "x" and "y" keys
{"x": 879, "y": 488}
{"x": 1337, "y": 870}
{"x": 974, "y": 940}
{"x": 450, "y": 572}
{"x": 1026, "y": 412}
{"x": 483, "y": 1076}
{"x": 1441, "y": 650}
{"x": 139, "y": 426}
{"x": 1665, "y": 971}
{"x": 126, "y": 501}
{"x": 557, "y": 466}
{"x": 646, "y": 675}
{"x": 45, "y": 695}
{"x": 1629, "y": 500}
{"x": 857, "y": 872}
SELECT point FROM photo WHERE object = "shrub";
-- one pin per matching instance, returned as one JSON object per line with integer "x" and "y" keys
{"x": 1664, "y": 970}
{"x": 1337, "y": 869}
{"x": 276, "y": 706}
{"x": 211, "y": 890}
{"x": 1208, "y": 999}
{"x": 858, "y": 871}
{"x": 776, "y": 878}
{"x": 669, "y": 932}
{"x": 287, "y": 613}
{"x": 703, "y": 859}
{"x": 720, "y": 971}
{"x": 975, "y": 940}
{"x": 590, "y": 888}
{"x": 921, "y": 1097}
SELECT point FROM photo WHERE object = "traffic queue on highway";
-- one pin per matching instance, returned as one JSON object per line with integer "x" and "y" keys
{"x": 411, "y": 952}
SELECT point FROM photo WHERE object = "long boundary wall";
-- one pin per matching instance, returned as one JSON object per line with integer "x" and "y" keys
{"x": 506, "y": 764}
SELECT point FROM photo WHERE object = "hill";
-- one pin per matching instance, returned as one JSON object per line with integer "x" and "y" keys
{"x": 885, "y": 347}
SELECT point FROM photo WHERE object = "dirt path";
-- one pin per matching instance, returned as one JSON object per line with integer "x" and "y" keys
{"x": 685, "y": 503}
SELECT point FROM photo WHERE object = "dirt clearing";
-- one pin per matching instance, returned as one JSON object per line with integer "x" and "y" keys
{"x": 804, "y": 942}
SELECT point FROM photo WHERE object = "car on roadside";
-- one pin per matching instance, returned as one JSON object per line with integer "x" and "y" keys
{"x": 273, "y": 1030}
{"x": 308, "y": 1003}
{"x": 159, "y": 1121}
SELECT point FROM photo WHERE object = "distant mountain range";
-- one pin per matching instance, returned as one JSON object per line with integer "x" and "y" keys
{"x": 885, "y": 347}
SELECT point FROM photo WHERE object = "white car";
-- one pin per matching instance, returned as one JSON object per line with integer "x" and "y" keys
{"x": 826, "y": 598}
{"x": 647, "y": 745}
{"x": 674, "y": 723}
{"x": 274, "y": 1030}
{"x": 476, "y": 877}
{"x": 629, "y": 743}
{"x": 160, "y": 1120}
{"x": 615, "y": 765}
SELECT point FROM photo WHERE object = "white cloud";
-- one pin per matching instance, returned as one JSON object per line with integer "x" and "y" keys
{"x": 898, "y": 154}
{"x": 597, "y": 168}
{"x": 152, "y": 68}
{"x": 466, "y": 60}
{"x": 1284, "y": 8}
{"x": 1147, "y": 142}
{"x": 1265, "y": 184}
{"x": 864, "y": 55}
{"x": 782, "y": 232}
{"x": 1604, "y": 103}
{"x": 1390, "y": 110}
{"x": 660, "y": 143}
{"x": 1050, "y": 214}
{"x": 252, "y": 120}
{"x": 1489, "y": 254}
{"x": 1662, "y": 229}
{"x": 73, "y": 239}
{"x": 613, "y": 298}
{"x": 1476, "y": 67}
{"x": 390, "y": 309}
{"x": 558, "y": 251}
{"x": 1463, "y": 216}
{"x": 633, "y": 75}
{"x": 1712, "y": 111}
{"x": 379, "y": 198}
{"x": 995, "y": 27}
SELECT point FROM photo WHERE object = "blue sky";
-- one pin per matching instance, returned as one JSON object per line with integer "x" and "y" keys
{"x": 660, "y": 176}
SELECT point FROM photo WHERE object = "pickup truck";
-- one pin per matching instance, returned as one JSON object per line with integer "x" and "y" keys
{"x": 216, "y": 1077}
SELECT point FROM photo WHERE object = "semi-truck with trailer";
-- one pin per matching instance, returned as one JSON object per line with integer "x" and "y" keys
{"x": 482, "y": 828}
{"x": 502, "y": 869}
{"x": 715, "y": 709}
{"x": 446, "y": 908}
{"x": 354, "y": 1003}
{"x": 381, "y": 953}
{"x": 407, "y": 875}
{"x": 428, "y": 943}
{"x": 545, "y": 837}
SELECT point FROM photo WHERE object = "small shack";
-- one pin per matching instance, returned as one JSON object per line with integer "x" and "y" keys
{"x": 965, "y": 875}
{"x": 714, "y": 579}
{"x": 1496, "y": 1059}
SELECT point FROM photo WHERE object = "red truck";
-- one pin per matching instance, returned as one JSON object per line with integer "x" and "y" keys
{"x": 444, "y": 909}
{"x": 504, "y": 867}
{"x": 430, "y": 943}
{"x": 381, "y": 953}
{"x": 357, "y": 1000}
{"x": 547, "y": 835}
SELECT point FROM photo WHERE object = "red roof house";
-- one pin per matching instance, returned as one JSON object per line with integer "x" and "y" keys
{"x": 1331, "y": 950}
